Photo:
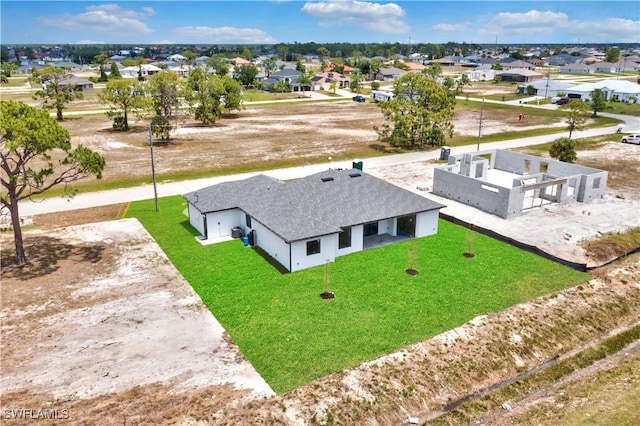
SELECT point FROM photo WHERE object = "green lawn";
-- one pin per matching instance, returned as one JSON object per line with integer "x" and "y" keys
{"x": 292, "y": 336}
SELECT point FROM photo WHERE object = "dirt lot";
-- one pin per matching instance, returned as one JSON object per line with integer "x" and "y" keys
{"x": 297, "y": 133}
{"x": 103, "y": 326}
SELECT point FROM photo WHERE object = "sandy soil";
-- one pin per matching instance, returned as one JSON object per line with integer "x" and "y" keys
{"x": 107, "y": 311}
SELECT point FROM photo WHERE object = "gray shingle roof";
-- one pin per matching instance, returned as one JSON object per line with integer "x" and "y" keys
{"x": 315, "y": 205}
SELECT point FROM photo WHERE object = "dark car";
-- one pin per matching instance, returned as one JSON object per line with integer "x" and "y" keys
{"x": 359, "y": 98}
{"x": 562, "y": 101}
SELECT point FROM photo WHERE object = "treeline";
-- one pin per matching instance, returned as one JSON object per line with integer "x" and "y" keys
{"x": 85, "y": 54}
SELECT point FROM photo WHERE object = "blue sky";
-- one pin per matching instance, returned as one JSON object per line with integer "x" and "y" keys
{"x": 266, "y": 22}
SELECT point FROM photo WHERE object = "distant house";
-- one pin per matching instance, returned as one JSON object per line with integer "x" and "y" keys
{"x": 202, "y": 60}
{"x": 414, "y": 66}
{"x": 576, "y": 68}
{"x": 622, "y": 90}
{"x": 448, "y": 61}
{"x": 323, "y": 80}
{"x": 389, "y": 74}
{"x": 480, "y": 74}
{"x": 519, "y": 75}
{"x": 289, "y": 75}
{"x": 146, "y": 69}
{"x": 606, "y": 67}
{"x": 117, "y": 58}
{"x": 79, "y": 84}
{"x": 627, "y": 65}
{"x": 517, "y": 64}
{"x": 69, "y": 66}
{"x": 182, "y": 70}
{"x": 486, "y": 63}
{"x": 561, "y": 59}
{"x": 346, "y": 69}
{"x": 177, "y": 58}
{"x": 239, "y": 61}
{"x": 310, "y": 221}
{"x": 547, "y": 87}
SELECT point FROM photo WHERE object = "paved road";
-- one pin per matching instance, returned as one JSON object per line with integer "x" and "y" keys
{"x": 94, "y": 199}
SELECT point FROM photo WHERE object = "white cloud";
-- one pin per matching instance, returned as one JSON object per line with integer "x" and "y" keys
{"x": 546, "y": 26}
{"x": 449, "y": 28}
{"x": 149, "y": 11}
{"x": 106, "y": 18}
{"x": 223, "y": 35}
{"x": 375, "y": 17}
{"x": 607, "y": 30}
{"x": 532, "y": 21}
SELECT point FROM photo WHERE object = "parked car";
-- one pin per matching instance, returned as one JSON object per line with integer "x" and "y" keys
{"x": 562, "y": 101}
{"x": 358, "y": 98}
{"x": 635, "y": 138}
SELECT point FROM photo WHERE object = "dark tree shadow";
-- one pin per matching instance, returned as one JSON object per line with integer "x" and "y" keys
{"x": 44, "y": 255}
{"x": 386, "y": 148}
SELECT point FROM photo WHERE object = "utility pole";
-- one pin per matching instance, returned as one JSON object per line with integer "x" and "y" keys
{"x": 546, "y": 88}
{"x": 153, "y": 168}
{"x": 480, "y": 124}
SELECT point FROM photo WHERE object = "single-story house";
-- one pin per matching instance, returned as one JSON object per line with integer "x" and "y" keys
{"x": 79, "y": 84}
{"x": 389, "y": 74}
{"x": 547, "y": 87}
{"x": 517, "y": 64}
{"x": 177, "y": 58}
{"x": 146, "y": 69}
{"x": 625, "y": 65}
{"x": 239, "y": 61}
{"x": 310, "y": 221}
{"x": 576, "y": 68}
{"x": 535, "y": 62}
{"x": 447, "y": 61}
{"x": 519, "y": 75}
{"x": 622, "y": 90}
{"x": 414, "y": 66}
{"x": 480, "y": 74}
{"x": 66, "y": 65}
{"x": 561, "y": 59}
{"x": 604, "y": 67}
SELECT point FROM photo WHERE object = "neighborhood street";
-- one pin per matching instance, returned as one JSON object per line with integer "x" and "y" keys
{"x": 94, "y": 199}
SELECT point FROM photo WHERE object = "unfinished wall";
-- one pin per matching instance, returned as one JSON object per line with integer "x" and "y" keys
{"x": 464, "y": 180}
{"x": 472, "y": 192}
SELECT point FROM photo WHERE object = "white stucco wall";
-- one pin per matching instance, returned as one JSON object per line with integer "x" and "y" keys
{"x": 269, "y": 242}
{"x": 328, "y": 249}
{"x": 196, "y": 219}
{"x": 387, "y": 226}
{"x": 219, "y": 224}
{"x": 426, "y": 223}
{"x": 356, "y": 241}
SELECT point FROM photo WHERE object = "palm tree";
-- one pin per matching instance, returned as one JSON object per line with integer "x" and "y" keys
{"x": 304, "y": 80}
{"x": 332, "y": 86}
